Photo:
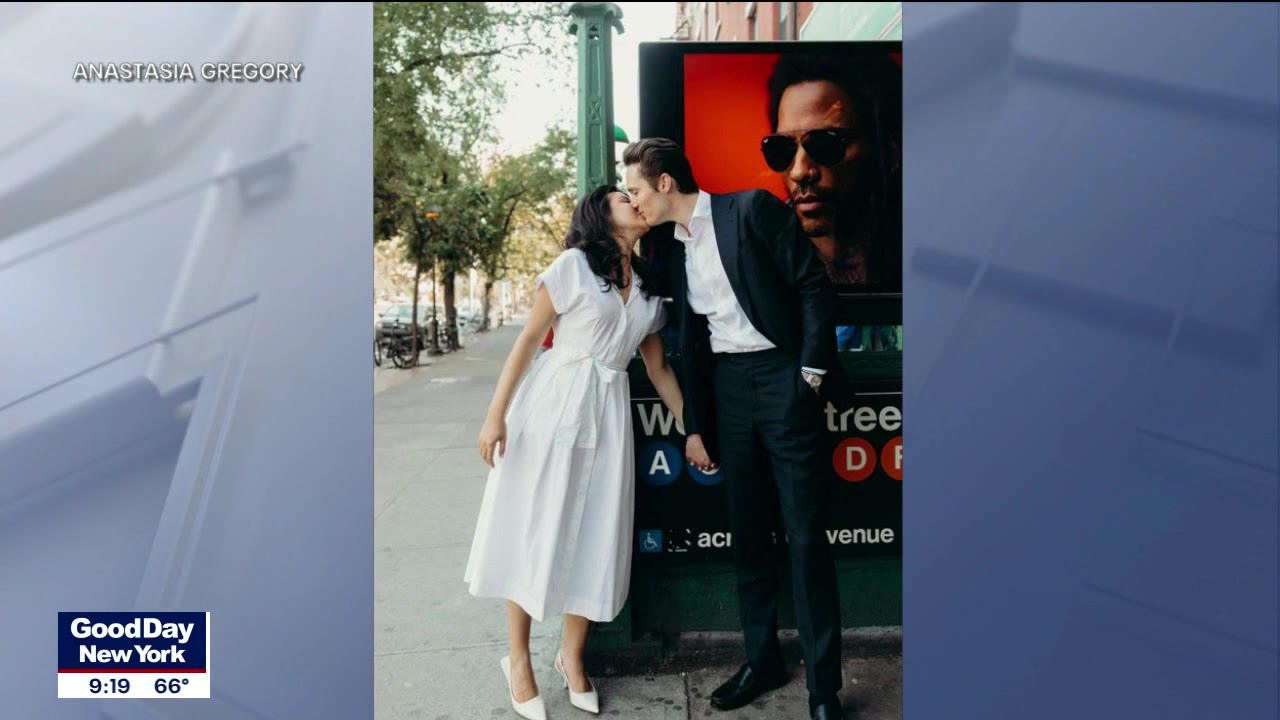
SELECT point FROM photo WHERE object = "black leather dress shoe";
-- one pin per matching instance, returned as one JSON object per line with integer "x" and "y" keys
{"x": 746, "y": 685}
{"x": 830, "y": 710}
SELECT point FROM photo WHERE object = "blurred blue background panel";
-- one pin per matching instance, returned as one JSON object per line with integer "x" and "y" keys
{"x": 1093, "y": 300}
{"x": 185, "y": 397}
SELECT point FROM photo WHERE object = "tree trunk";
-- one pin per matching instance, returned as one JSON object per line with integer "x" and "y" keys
{"x": 486, "y": 304}
{"x": 451, "y": 309}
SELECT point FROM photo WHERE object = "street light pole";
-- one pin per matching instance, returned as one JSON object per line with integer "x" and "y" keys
{"x": 435, "y": 323}
{"x": 433, "y": 216}
{"x": 591, "y": 23}
{"x": 471, "y": 292}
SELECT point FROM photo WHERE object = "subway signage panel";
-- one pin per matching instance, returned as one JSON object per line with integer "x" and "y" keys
{"x": 682, "y": 510}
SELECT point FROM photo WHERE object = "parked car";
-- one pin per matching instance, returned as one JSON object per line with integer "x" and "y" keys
{"x": 468, "y": 321}
{"x": 397, "y": 321}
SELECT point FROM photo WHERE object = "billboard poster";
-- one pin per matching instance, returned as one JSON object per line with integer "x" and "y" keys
{"x": 819, "y": 125}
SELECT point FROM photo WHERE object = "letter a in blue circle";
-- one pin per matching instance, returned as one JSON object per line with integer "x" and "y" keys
{"x": 659, "y": 463}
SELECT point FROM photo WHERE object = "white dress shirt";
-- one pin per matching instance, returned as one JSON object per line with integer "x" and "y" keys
{"x": 710, "y": 293}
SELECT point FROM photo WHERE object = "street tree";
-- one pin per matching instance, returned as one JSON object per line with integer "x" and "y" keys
{"x": 523, "y": 188}
{"x": 435, "y": 95}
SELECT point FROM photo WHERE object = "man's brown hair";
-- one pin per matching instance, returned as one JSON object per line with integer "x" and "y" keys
{"x": 656, "y": 156}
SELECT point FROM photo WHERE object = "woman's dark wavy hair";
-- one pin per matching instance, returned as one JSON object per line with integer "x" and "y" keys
{"x": 591, "y": 231}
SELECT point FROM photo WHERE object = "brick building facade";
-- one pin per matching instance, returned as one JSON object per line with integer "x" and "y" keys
{"x": 769, "y": 21}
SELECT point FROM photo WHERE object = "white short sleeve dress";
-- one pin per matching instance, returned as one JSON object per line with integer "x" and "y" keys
{"x": 555, "y": 527}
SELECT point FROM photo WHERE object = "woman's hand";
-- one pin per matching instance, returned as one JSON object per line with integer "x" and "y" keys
{"x": 493, "y": 437}
{"x": 696, "y": 453}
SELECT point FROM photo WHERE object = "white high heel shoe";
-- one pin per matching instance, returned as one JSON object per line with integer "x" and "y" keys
{"x": 588, "y": 701}
{"x": 531, "y": 709}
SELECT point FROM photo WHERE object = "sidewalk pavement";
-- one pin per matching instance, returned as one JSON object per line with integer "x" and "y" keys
{"x": 436, "y": 648}
{"x": 388, "y": 375}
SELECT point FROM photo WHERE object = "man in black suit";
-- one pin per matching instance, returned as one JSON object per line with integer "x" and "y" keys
{"x": 757, "y": 343}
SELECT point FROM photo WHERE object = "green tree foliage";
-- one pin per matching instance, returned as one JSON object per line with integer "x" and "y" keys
{"x": 523, "y": 191}
{"x": 435, "y": 96}
{"x": 435, "y": 91}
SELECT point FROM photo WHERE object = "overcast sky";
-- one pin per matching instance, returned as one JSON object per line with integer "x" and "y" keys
{"x": 531, "y": 110}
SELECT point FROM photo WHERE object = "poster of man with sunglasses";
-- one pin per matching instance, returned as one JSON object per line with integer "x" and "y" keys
{"x": 819, "y": 125}
{"x": 836, "y": 142}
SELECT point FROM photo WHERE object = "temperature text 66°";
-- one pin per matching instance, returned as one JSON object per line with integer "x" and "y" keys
{"x": 172, "y": 686}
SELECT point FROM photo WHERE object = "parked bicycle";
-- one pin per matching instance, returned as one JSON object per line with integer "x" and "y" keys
{"x": 399, "y": 346}
{"x": 449, "y": 338}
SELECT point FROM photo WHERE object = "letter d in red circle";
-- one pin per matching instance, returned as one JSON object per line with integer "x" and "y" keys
{"x": 854, "y": 460}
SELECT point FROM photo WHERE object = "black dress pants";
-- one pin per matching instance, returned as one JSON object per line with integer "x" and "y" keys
{"x": 772, "y": 455}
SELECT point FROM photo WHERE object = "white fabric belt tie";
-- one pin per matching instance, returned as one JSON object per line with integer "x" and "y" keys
{"x": 579, "y": 425}
{"x": 586, "y": 400}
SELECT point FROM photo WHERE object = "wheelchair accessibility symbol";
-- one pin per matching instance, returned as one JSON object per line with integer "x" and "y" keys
{"x": 651, "y": 541}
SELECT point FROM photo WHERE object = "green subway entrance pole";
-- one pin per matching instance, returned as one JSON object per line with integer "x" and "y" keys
{"x": 592, "y": 23}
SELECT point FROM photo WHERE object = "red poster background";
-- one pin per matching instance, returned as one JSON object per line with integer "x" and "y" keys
{"x": 726, "y": 114}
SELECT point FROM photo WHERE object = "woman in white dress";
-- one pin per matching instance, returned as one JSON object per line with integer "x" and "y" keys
{"x": 555, "y": 527}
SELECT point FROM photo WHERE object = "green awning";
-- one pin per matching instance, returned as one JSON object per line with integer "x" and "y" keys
{"x": 619, "y": 135}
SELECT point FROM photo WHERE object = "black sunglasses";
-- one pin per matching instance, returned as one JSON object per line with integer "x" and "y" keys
{"x": 825, "y": 146}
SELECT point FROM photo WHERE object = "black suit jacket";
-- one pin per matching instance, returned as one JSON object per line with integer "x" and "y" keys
{"x": 779, "y": 281}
